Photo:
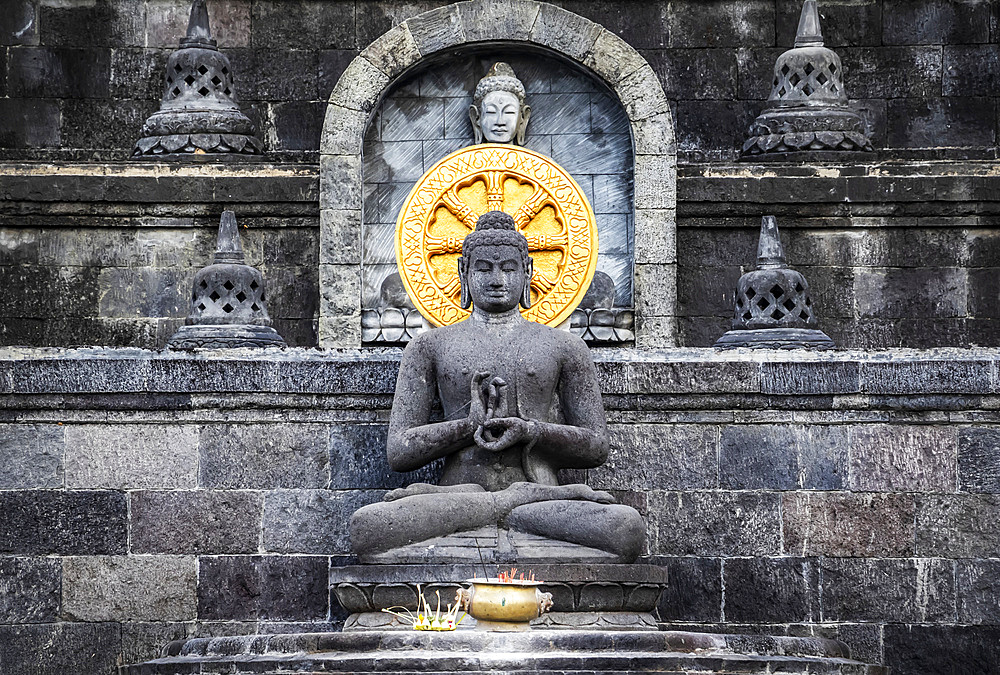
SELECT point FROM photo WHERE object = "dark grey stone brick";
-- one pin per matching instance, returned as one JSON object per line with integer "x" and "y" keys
{"x": 332, "y": 64}
{"x": 144, "y": 292}
{"x": 892, "y": 72}
{"x": 721, "y": 23}
{"x": 984, "y": 294}
{"x": 127, "y": 588}
{"x": 312, "y": 521}
{"x": 848, "y": 524}
{"x": 755, "y": 71}
{"x": 19, "y": 23}
{"x": 863, "y": 639}
{"x": 138, "y": 74}
{"x": 641, "y": 24}
{"x": 714, "y": 523}
{"x": 32, "y": 456}
{"x": 659, "y": 457}
{"x": 358, "y": 460}
{"x": 691, "y": 377}
{"x": 682, "y": 72}
{"x": 979, "y": 459}
{"x": 695, "y": 589}
{"x": 263, "y": 587}
{"x": 707, "y": 291}
{"x": 935, "y": 22}
{"x": 265, "y": 75}
{"x": 771, "y": 589}
{"x": 978, "y": 595}
{"x": 103, "y": 124}
{"x": 905, "y": 458}
{"x": 718, "y": 127}
{"x": 958, "y": 526}
{"x": 312, "y": 24}
{"x": 809, "y": 377}
{"x": 965, "y": 650}
{"x": 905, "y": 293}
{"x": 783, "y": 457}
{"x": 941, "y": 122}
{"x": 264, "y": 456}
{"x": 29, "y": 123}
{"x": 200, "y": 521}
{"x": 43, "y": 291}
{"x": 107, "y": 23}
{"x": 298, "y": 124}
{"x": 971, "y": 70}
{"x": 59, "y": 72}
{"x": 896, "y": 590}
{"x": 926, "y": 377}
{"x": 29, "y": 589}
{"x": 69, "y": 648}
{"x": 63, "y": 523}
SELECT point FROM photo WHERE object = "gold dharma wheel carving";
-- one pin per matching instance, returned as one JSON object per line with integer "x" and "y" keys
{"x": 547, "y": 205}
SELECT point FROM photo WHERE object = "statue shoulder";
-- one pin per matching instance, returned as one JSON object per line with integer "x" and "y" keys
{"x": 566, "y": 342}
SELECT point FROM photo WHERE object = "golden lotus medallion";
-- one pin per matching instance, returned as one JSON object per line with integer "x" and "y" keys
{"x": 547, "y": 205}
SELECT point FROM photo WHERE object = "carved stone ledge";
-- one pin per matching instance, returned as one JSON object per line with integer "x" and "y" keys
{"x": 623, "y": 599}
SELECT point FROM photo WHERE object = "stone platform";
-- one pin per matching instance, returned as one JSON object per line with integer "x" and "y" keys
{"x": 623, "y": 599}
{"x": 535, "y": 651}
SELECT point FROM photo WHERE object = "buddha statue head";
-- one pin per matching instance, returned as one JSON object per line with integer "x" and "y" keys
{"x": 495, "y": 268}
{"x": 498, "y": 112}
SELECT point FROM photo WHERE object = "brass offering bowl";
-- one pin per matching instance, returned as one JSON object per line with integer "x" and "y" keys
{"x": 503, "y": 605}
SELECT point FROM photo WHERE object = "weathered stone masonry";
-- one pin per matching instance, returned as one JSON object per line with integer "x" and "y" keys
{"x": 149, "y": 496}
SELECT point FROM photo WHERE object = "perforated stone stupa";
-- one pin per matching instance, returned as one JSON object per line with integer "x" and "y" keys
{"x": 198, "y": 113}
{"x": 228, "y": 306}
{"x": 773, "y": 307}
{"x": 808, "y": 109}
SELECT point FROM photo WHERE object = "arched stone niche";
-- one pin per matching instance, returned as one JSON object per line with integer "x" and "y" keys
{"x": 499, "y": 26}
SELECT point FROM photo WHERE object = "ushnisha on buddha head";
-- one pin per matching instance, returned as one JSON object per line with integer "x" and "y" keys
{"x": 498, "y": 112}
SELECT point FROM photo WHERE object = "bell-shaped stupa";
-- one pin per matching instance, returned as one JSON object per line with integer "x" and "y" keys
{"x": 198, "y": 113}
{"x": 808, "y": 109}
{"x": 228, "y": 301}
{"x": 773, "y": 307}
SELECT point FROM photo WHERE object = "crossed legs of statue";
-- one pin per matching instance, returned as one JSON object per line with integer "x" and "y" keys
{"x": 571, "y": 513}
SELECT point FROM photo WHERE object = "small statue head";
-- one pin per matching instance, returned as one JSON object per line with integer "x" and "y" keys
{"x": 495, "y": 268}
{"x": 498, "y": 111}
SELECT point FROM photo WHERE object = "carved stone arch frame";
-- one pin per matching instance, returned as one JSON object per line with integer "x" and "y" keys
{"x": 524, "y": 23}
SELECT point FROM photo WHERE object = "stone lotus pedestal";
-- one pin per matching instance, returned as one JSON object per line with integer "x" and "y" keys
{"x": 534, "y": 651}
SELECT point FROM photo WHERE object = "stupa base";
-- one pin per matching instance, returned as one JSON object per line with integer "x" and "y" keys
{"x": 775, "y": 338}
{"x": 215, "y": 336}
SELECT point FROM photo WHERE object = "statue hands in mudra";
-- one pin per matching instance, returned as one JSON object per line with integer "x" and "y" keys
{"x": 521, "y": 401}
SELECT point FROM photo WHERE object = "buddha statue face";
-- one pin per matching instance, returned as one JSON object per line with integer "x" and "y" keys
{"x": 496, "y": 278}
{"x": 499, "y": 117}
{"x": 498, "y": 111}
{"x": 495, "y": 268}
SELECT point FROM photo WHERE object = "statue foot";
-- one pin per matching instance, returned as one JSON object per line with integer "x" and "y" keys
{"x": 428, "y": 489}
{"x": 526, "y": 493}
{"x": 614, "y": 528}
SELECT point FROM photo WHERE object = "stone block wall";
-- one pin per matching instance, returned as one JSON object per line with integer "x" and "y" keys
{"x": 80, "y": 77}
{"x": 150, "y": 497}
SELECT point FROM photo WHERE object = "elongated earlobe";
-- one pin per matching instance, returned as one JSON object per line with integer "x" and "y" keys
{"x": 464, "y": 298}
{"x": 526, "y": 292}
{"x": 522, "y": 125}
{"x": 477, "y": 131}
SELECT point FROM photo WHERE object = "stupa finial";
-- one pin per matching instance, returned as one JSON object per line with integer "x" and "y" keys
{"x": 229, "y": 249}
{"x": 199, "y": 30}
{"x": 809, "y": 34}
{"x": 770, "y": 252}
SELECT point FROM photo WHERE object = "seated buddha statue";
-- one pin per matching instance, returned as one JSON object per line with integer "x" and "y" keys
{"x": 520, "y": 402}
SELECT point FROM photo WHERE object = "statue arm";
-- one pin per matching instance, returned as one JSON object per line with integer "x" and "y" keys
{"x": 413, "y": 442}
{"x": 582, "y": 442}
